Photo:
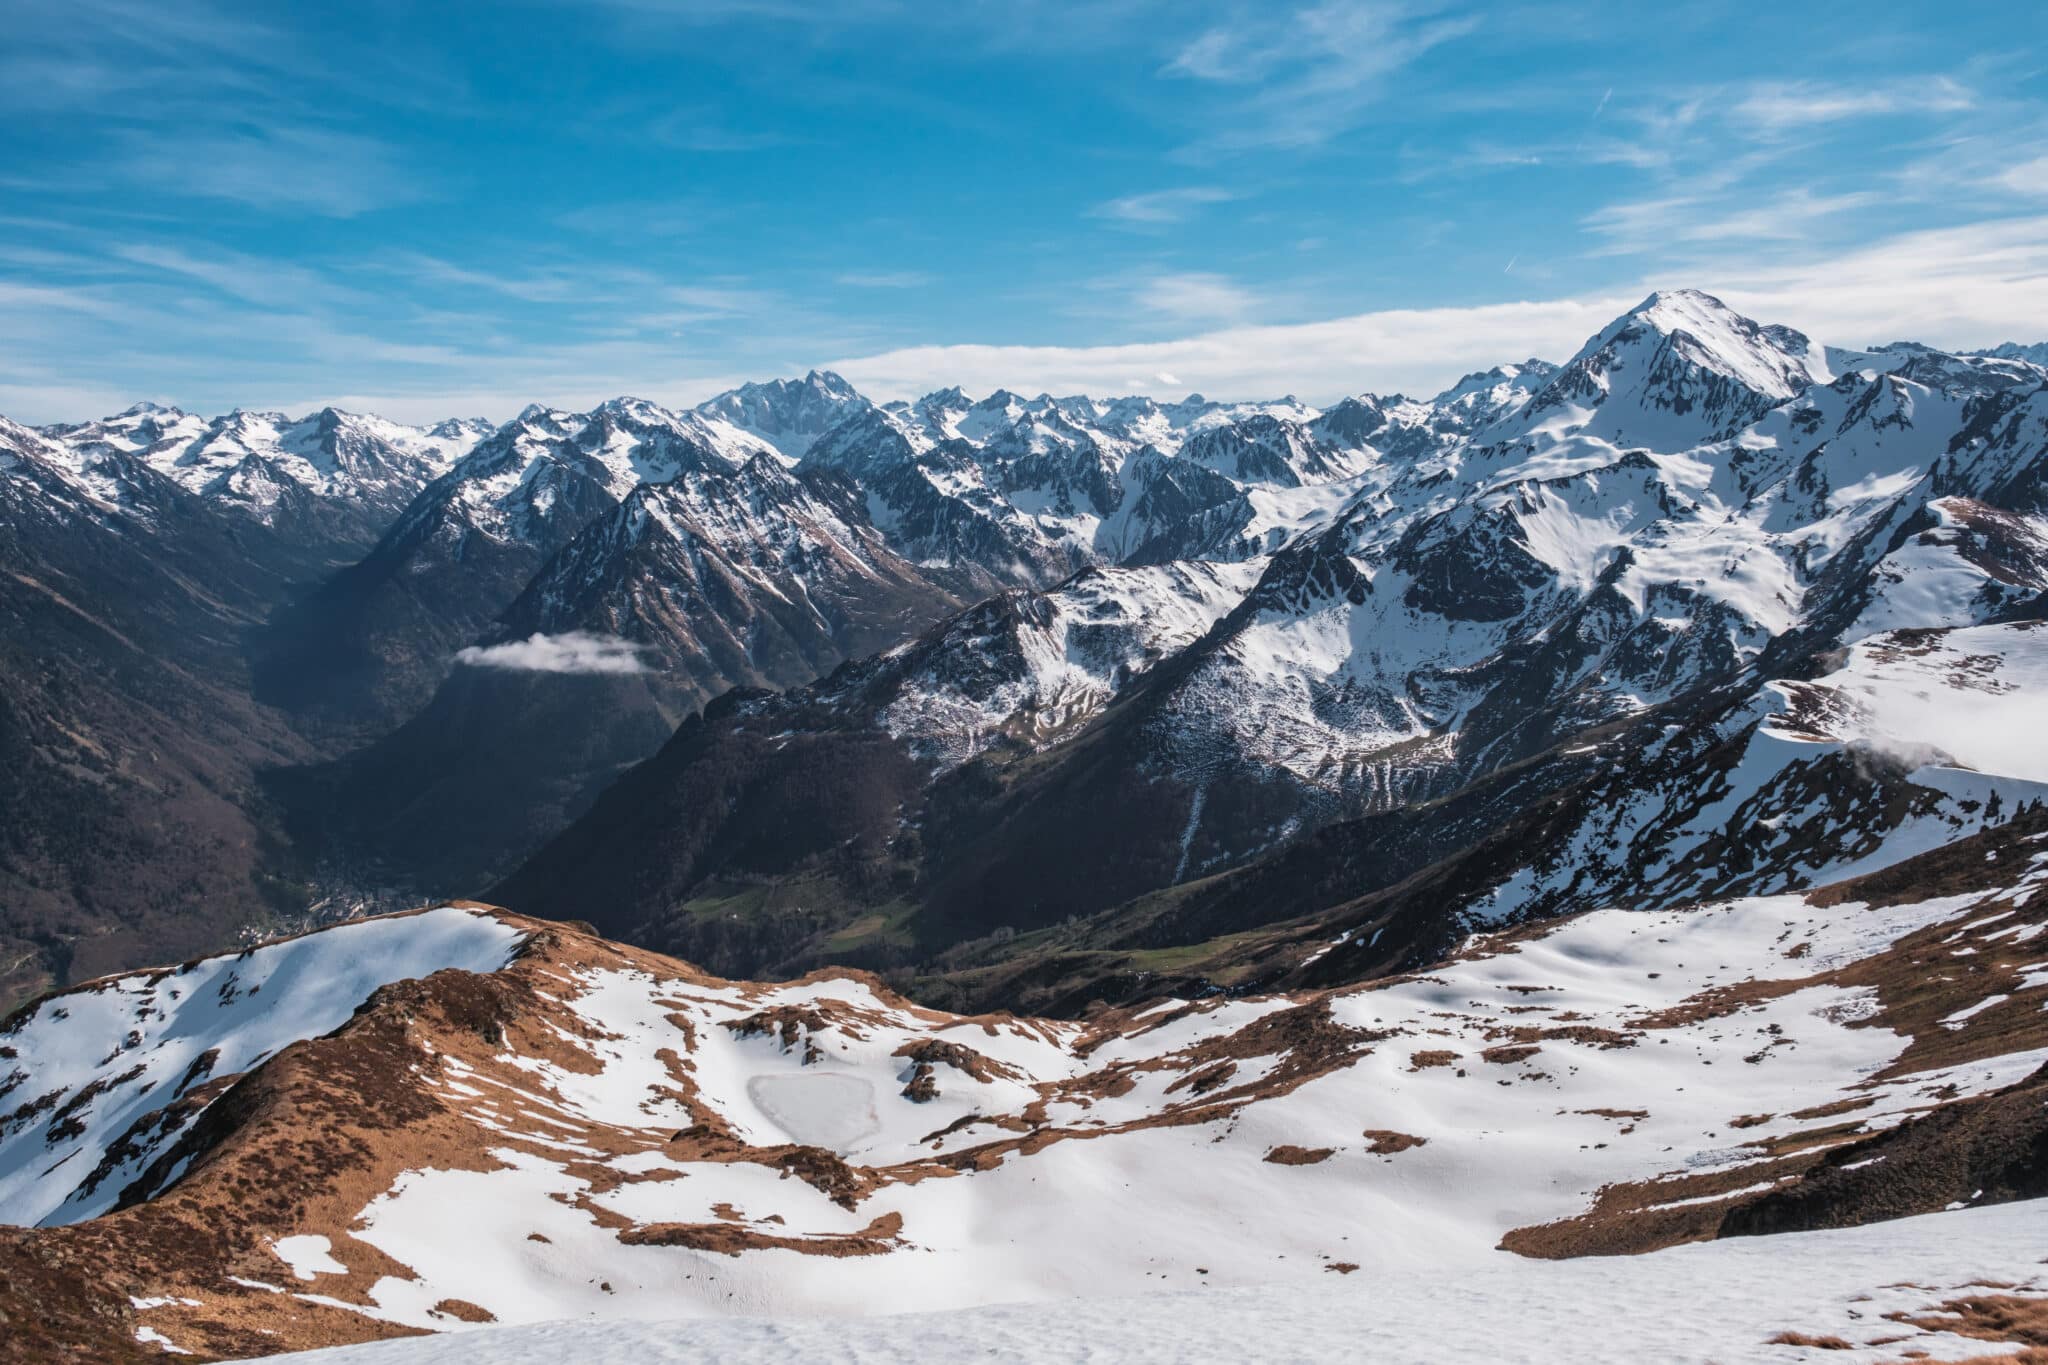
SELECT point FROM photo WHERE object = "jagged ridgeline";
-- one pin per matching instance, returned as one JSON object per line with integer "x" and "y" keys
{"x": 1028, "y": 701}
{"x": 1555, "y": 638}
{"x": 1596, "y": 809}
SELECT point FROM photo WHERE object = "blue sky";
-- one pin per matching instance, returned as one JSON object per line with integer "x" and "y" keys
{"x": 429, "y": 209}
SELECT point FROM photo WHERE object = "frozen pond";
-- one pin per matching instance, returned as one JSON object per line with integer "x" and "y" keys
{"x": 821, "y": 1110}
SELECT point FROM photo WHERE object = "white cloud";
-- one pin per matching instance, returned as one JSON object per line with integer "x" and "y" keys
{"x": 1963, "y": 286}
{"x": 885, "y": 279}
{"x": 734, "y": 301}
{"x": 1311, "y": 73}
{"x": 555, "y": 284}
{"x": 48, "y": 398}
{"x": 1419, "y": 350}
{"x": 1218, "y": 54}
{"x": 574, "y": 652}
{"x": 287, "y": 169}
{"x": 1195, "y": 296}
{"x": 1161, "y": 206}
{"x": 1654, "y": 224}
{"x": 253, "y": 279}
{"x": 70, "y": 350}
{"x": 2029, "y": 177}
{"x": 1778, "y": 107}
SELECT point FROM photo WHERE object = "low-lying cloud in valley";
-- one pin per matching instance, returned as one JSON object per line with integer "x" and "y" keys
{"x": 574, "y": 652}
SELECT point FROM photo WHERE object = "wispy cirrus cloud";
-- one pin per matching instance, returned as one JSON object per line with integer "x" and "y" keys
{"x": 465, "y": 242}
{"x": 2029, "y": 177}
{"x": 1310, "y": 74}
{"x": 280, "y": 167}
{"x": 561, "y": 284}
{"x": 883, "y": 279}
{"x": 1195, "y": 296}
{"x": 72, "y": 54}
{"x": 1157, "y": 207}
{"x": 1963, "y": 286}
{"x": 1655, "y": 224}
{"x": 201, "y": 101}
{"x": 239, "y": 275}
{"x": 698, "y": 130}
{"x": 1778, "y": 107}
{"x": 1764, "y": 162}
{"x": 413, "y": 337}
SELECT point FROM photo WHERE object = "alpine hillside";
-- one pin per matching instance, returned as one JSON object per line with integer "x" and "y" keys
{"x": 1608, "y": 572}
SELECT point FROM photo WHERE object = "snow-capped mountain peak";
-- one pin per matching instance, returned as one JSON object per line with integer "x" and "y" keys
{"x": 2035, "y": 353}
{"x": 330, "y": 473}
{"x": 1679, "y": 369}
{"x": 789, "y": 414}
{"x": 635, "y": 409}
{"x": 457, "y": 428}
{"x": 1531, "y": 373}
{"x": 538, "y": 414}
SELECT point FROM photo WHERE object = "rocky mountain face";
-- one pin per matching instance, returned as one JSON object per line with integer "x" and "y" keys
{"x": 789, "y": 414}
{"x": 336, "y": 479}
{"x": 129, "y": 745}
{"x": 787, "y": 806}
{"x": 1013, "y": 492}
{"x": 1641, "y": 543}
{"x": 264, "y": 687}
{"x": 719, "y": 565}
{"x": 1066, "y": 678}
{"x": 727, "y": 574}
{"x": 2035, "y": 353}
{"x": 366, "y": 650}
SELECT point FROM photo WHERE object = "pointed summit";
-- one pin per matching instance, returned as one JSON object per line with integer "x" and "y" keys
{"x": 830, "y": 383}
{"x": 456, "y": 428}
{"x": 1679, "y": 368}
{"x": 1526, "y": 377}
{"x": 1769, "y": 360}
{"x": 627, "y": 403}
{"x": 789, "y": 414}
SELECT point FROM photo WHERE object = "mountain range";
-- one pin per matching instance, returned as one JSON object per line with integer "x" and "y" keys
{"x": 1020, "y": 700}
{"x": 932, "y": 855}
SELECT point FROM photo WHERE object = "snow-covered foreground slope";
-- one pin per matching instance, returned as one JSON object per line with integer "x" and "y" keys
{"x": 1157, "y": 1145}
{"x": 589, "y": 1131}
{"x": 1721, "y": 1302}
{"x": 95, "y": 1076}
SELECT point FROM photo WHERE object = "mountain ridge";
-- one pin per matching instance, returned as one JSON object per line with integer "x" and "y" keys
{"x": 1471, "y": 612}
{"x": 1423, "y": 594}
